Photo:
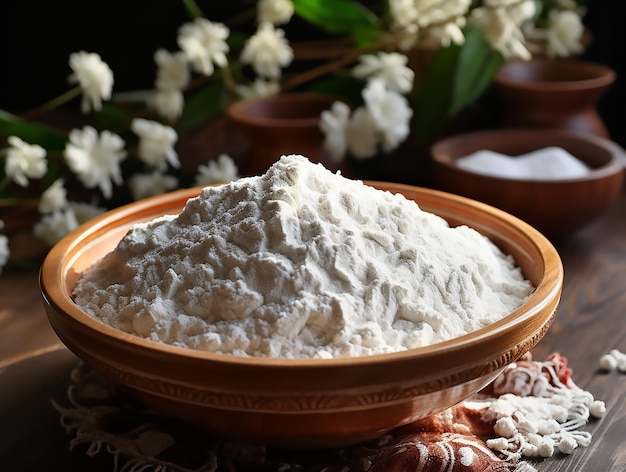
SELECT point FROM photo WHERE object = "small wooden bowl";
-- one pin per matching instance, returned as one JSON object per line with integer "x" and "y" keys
{"x": 287, "y": 123}
{"x": 303, "y": 403}
{"x": 555, "y": 207}
{"x": 544, "y": 93}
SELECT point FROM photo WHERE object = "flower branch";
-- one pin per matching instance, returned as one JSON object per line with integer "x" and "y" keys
{"x": 127, "y": 146}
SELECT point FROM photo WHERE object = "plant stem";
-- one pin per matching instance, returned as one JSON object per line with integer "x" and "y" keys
{"x": 11, "y": 202}
{"x": 333, "y": 66}
{"x": 193, "y": 9}
{"x": 52, "y": 104}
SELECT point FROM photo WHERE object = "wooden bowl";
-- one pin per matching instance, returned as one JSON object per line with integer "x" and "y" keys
{"x": 555, "y": 207}
{"x": 544, "y": 93}
{"x": 302, "y": 403}
{"x": 287, "y": 123}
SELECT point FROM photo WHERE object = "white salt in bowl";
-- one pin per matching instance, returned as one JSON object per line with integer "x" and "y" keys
{"x": 302, "y": 403}
{"x": 556, "y": 207}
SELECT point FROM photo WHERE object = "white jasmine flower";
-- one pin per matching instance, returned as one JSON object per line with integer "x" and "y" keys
{"x": 168, "y": 103}
{"x": 54, "y": 197}
{"x": 172, "y": 70}
{"x": 221, "y": 170}
{"x": 5, "y": 252}
{"x": 54, "y": 226}
{"x": 260, "y": 88}
{"x": 441, "y": 11}
{"x": 24, "y": 160}
{"x": 204, "y": 44}
{"x": 95, "y": 158}
{"x": 403, "y": 12}
{"x": 156, "y": 143}
{"x": 267, "y": 51}
{"x": 85, "y": 211}
{"x": 390, "y": 111}
{"x": 404, "y": 16}
{"x": 362, "y": 134}
{"x": 501, "y": 31}
{"x": 94, "y": 76}
{"x": 383, "y": 120}
{"x": 391, "y": 68}
{"x": 440, "y": 20}
{"x": 276, "y": 12}
{"x": 333, "y": 124}
{"x": 564, "y": 34}
{"x": 173, "y": 76}
{"x": 522, "y": 12}
{"x": 148, "y": 185}
{"x": 448, "y": 33}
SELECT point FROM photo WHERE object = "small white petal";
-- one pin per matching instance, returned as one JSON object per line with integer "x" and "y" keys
{"x": 156, "y": 143}
{"x": 204, "y": 44}
{"x": 267, "y": 51}
{"x": 260, "y": 88}
{"x": 391, "y": 68}
{"x": 333, "y": 124}
{"x": 5, "y": 252}
{"x": 222, "y": 170}
{"x": 168, "y": 103}
{"x": 173, "y": 71}
{"x": 564, "y": 34}
{"x": 148, "y": 185}
{"x": 362, "y": 134}
{"x": 94, "y": 76}
{"x": 24, "y": 161}
{"x": 53, "y": 198}
{"x": 95, "y": 158}
{"x": 54, "y": 226}
{"x": 275, "y": 11}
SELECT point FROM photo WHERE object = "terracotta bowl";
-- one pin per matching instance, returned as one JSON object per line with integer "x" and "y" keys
{"x": 544, "y": 93}
{"x": 287, "y": 123}
{"x": 555, "y": 207}
{"x": 303, "y": 403}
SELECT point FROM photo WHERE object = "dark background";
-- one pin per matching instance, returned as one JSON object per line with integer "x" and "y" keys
{"x": 36, "y": 39}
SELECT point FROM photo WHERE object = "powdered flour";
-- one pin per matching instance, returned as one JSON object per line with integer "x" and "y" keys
{"x": 301, "y": 262}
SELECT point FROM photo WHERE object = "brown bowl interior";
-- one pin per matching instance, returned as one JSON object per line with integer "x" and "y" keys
{"x": 555, "y": 207}
{"x": 308, "y": 402}
{"x": 553, "y": 76}
{"x": 292, "y": 110}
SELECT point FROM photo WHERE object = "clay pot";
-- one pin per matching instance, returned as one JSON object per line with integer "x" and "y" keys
{"x": 554, "y": 94}
{"x": 282, "y": 124}
{"x": 556, "y": 207}
{"x": 302, "y": 403}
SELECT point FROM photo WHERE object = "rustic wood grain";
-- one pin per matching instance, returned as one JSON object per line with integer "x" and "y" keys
{"x": 591, "y": 321}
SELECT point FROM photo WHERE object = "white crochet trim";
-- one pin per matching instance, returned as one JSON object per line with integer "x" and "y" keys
{"x": 536, "y": 423}
{"x": 539, "y": 426}
{"x": 129, "y": 455}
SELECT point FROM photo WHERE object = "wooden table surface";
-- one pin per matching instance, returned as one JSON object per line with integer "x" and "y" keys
{"x": 591, "y": 320}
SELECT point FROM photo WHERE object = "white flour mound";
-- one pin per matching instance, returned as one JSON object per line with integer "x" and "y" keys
{"x": 299, "y": 263}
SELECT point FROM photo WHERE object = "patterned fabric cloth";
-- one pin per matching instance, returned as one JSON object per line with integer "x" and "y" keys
{"x": 494, "y": 431}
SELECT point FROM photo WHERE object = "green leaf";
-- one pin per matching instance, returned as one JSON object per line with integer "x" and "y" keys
{"x": 204, "y": 105}
{"x": 477, "y": 65}
{"x": 133, "y": 96}
{"x": 31, "y": 132}
{"x": 346, "y": 87}
{"x": 117, "y": 118}
{"x": 339, "y": 17}
{"x": 456, "y": 78}
{"x": 193, "y": 10}
{"x": 431, "y": 108}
